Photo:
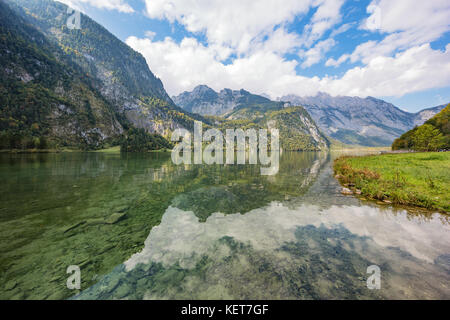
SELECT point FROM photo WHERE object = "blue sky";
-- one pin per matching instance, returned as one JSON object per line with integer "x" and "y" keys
{"x": 395, "y": 50}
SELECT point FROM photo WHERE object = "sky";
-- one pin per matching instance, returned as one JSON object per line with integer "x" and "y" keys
{"x": 396, "y": 50}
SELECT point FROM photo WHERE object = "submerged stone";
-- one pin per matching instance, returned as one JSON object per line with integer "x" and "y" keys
{"x": 112, "y": 219}
{"x": 115, "y": 217}
{"x": 10, "y": 285}
{"x": 73, "y": 226}
{"x": 94, "y": 222}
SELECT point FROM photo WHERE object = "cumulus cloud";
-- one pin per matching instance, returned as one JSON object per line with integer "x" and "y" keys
{"x": 316, "y": 54}
{"x": 416, "y": 69}
{"x": 250, "y": 44}
{"x": 407, "y": 23}
{"x": 327, "y": 15}
{"x": 232, "y": 23}
{"x": 183, "y": 66}
{"x": 403, "y": 15}
{"x": 119, "y": 5}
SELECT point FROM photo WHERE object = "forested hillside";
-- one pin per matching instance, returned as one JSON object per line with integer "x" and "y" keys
{"x": 45, "y": 100}
{"x": 434, "y": 135}
{"x": 120, "y": 74}
{"x": 298, "y": 132}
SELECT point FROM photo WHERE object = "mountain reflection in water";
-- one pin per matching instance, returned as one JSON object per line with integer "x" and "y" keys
{"x": 316, "y": 245}
{"x": 209, "y": 232}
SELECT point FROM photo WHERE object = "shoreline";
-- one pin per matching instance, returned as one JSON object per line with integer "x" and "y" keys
{"x": 412, "y": 180}
{"x": 47, "y": 151}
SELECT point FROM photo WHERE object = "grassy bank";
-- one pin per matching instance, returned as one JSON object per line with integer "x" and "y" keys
{"x": 414, "y": 179}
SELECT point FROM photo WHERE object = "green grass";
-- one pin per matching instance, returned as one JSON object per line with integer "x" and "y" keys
{"x": 415, "y": 179}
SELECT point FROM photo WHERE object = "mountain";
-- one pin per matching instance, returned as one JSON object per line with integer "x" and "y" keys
{"x": 205, "y": 101}
{"x": 121, "y": 75}
{"x": 353, "y": 120}
{"x": 433, "y": 135}
{"x": 298, "y": 132}
{"x": 239, "y": 109}
{"x": 422, "y": 116}
{"x": 45, "y": 99}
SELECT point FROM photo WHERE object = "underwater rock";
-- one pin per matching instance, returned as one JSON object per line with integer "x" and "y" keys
{"x": 18, "y": 296}
{"x": 94, "y": 222}
{"x": 112, "y": 219}
{"x": 10, "y": 285}
{"x": 84, "y": 263}
{"x": 113, "y": 284}
{"x": 115, "y": 217}
{"x": 122, "y": 291}
{"x": 76, "y": 225}
{"x": 122, "y": 209}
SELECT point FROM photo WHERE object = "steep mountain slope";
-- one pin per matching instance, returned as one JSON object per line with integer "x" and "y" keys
{"x": 433, "y": 135}
{"x": 230, "y": 109}
{"x": 205, "y": 101}
{"x": 44, "y": 99}
{"x": 124, "y": 78}
{"x": 353, "y": 120}
{"x": 422, "y": 116}
{"x": 298, "y": 132}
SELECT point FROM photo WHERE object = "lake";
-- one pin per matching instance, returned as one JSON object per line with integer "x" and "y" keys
{"x": 140, "y": 227}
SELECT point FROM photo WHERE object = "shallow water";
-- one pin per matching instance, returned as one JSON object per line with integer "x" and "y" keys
{"x": 207, "y": 232}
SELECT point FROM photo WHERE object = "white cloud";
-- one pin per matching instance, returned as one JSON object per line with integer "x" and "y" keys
{"x": 335, "y": 63}
{"x": 327, "y": 15}
{"x": 247, "y": 42}
{"x": 183, "y": 66}
{"x": 407, "y": 23}
{"x": 119, "y": 5}
{"x": 150, "y": 34}
{"x": 232, "y": 23}
{"x": 317, "y": 53}
{"x": 342, "y": 29}
{"x": 417, "y": 69}
{"x": 404, "y": 15}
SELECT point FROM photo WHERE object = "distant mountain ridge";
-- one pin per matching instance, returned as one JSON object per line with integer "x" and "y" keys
{"x": 205, "y": 101}
{"x": 351, "y": 120}
{"x": 365, "y": 121}
{"x": 427, "y": 114}
{"x": 239, "y": 109}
